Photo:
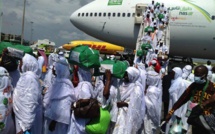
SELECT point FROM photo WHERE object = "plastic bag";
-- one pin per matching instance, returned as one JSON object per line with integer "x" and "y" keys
{"x": 176, "y": 127}
{"x": 99, "y": 125}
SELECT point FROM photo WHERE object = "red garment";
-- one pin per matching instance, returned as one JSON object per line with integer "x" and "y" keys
{"x": 157, "y": 67}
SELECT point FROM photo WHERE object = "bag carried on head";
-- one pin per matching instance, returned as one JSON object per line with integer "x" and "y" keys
{"x": 116, "y": 67}
{"x": 84, "y": 56}
{"x": 9, "y": 63}
{"x": 86, "y": 108}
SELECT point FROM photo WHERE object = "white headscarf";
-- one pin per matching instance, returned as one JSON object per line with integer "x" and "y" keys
{"x": 30, "y": 64}
{"x": 153, "y": 78}
{"x": 84, "y": 75}
{"x": 133, "y": 74}
{"x": 52, "y": 59}
{"x": 4, "y": 78}
{"x": 186, "y": 71}
{"x": 62, "y": 69}
{"x": 178, "y": 72}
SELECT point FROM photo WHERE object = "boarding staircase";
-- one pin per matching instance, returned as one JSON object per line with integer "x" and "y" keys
{"x": 139, "y": 20}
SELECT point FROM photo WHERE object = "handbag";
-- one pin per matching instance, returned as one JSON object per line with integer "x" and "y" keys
{"x": 86, "y": 108}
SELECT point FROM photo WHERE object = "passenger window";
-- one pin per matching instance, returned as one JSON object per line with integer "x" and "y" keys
{"x": 95, "y": 14}
{"x": 86, "y": 14}
{"x": 114, "y": 14}
{"x": 133, "y": 14}
{"x": 128, "y": 15}
{"x": 123, "y": 15}
{"x": 78, "y": 14}
{"x": 100, "y": 14}
{"x": 118, "y": 14}
{"x": 109, "y": 14}
{"x": 82, "y": 14}
{"x": 91, "y": 14}
{"x": 213, "y": 17}
{"x": 104, "y": 14}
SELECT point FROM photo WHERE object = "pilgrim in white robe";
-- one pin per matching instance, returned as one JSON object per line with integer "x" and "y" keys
{"x": 27, "y": 98}
{"x": 128, "y": 118}
{"x": 153, "y": 100}
{"x": 7, "y": 124}
{"x": 58, "y": 100}
{"x": 84, "y": 90}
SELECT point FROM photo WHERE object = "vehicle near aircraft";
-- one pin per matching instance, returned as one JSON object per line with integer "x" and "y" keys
{"x": 192, "y": 24}
{"x": 103, "y": 47}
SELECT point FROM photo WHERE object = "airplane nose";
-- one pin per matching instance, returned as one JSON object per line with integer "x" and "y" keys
{"x": 72, "y": 18}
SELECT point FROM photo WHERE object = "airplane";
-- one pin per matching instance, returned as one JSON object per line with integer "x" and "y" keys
{"x": 192, "y": 24}
{"x": 103, "y": 47}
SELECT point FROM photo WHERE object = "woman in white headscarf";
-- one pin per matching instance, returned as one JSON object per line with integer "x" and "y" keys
{"x": 6, "y": 122}
{"x": 176, "y": 89}
{"x": 49, "y": 78}
{"x": 187, "y": 73}
{"x": 58, "y": 100}
{"x": 84, "y": 90}
{"x": 130, "y": 105}
{"x": 27, "y": 98}
{"x": 153, "y": 103}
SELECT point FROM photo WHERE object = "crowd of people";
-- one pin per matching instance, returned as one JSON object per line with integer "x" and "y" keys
{"x": 38, "y": 102}
{"x": 41, "y": 95}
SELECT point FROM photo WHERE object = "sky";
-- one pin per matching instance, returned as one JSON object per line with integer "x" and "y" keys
{"x": 50, "y": 19}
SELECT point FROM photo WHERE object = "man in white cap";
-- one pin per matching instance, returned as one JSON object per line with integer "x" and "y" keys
{"x": 6, "y": 122}
{"x": 27, "y": 98}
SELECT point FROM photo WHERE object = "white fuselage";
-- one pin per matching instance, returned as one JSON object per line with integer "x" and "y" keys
{"x": 192, "y": 25}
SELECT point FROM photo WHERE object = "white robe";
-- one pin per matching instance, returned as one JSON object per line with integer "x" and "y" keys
{"x": 128, "y": 118}
{"x": 58, "y": 106}
{"x": 153, "y": 109}
{"x": 176, "y": 89}
{"x": 27, "y": 100}
{"x": 58, "y": 100}
{"x": 6, "y": 109}
{"x": 84, "y": 90}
